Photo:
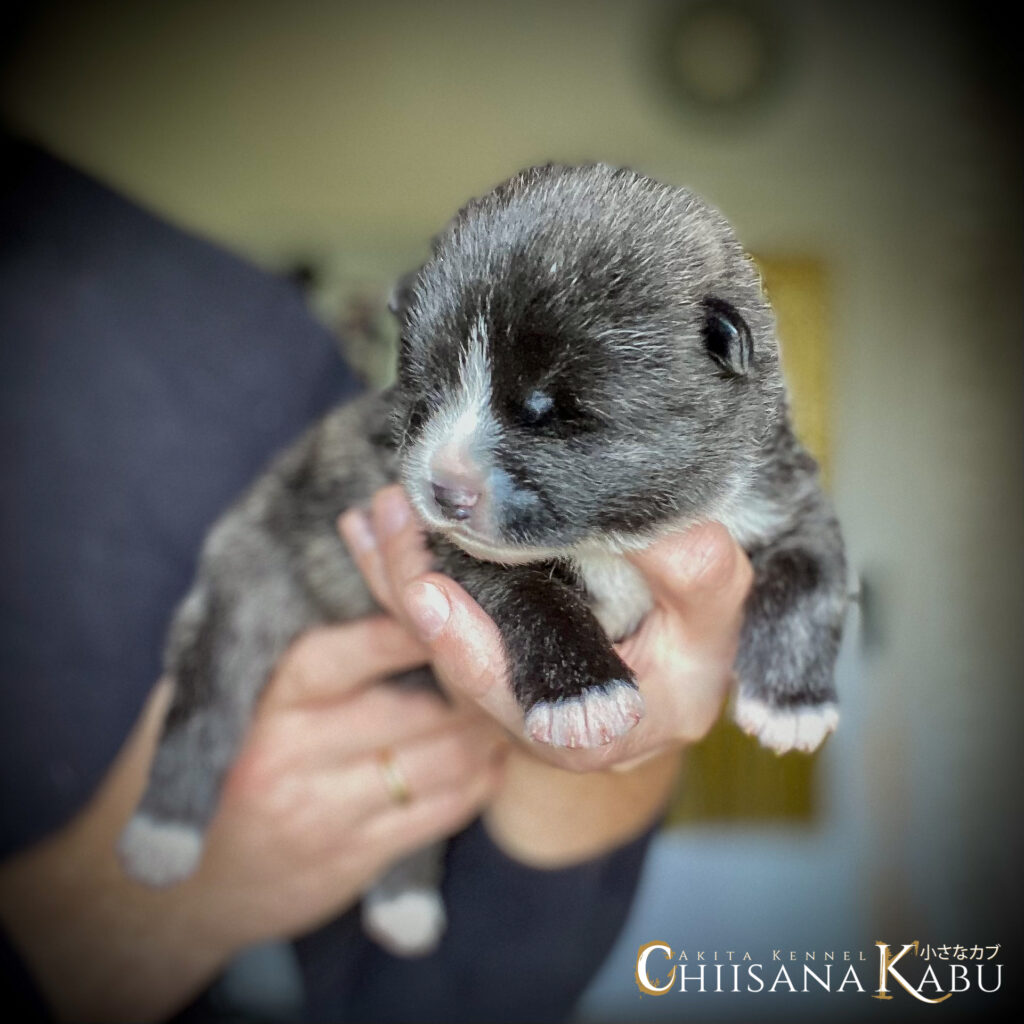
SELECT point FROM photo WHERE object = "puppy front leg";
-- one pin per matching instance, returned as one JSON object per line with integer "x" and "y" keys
{"x": 575, "y": 691}
{"x": 789, "y": 643}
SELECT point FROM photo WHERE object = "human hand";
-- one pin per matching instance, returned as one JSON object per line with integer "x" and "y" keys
{"x": 306, "y": 820}
{"x": 682, "y": 653}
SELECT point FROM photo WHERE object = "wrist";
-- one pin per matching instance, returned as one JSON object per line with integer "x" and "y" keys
{"x": 549, "y": 817}
{"x": 99, "y": 946}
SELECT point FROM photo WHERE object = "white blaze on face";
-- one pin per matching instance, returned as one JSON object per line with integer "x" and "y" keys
{"x": 454, "y": 449}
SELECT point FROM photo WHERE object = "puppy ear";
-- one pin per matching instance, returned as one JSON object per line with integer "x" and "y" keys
{"x": 727, "y": 338}
{"x": 402, "y": 293}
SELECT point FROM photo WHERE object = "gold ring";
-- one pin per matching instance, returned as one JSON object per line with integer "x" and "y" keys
{"x": 398, "y": 788}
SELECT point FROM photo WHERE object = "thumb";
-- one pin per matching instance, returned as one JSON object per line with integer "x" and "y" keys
{"x": 702, "y": 574}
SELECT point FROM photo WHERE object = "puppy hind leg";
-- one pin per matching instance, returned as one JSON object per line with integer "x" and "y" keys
{"x": 403, "y": 910}
{"x": 221, "y": 654}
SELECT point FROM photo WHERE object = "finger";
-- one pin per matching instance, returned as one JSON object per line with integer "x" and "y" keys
{"x": 402, "y": 829}
{"x": 465, "y": 646}
{"x": 400, "y": 542}
{"x": 357, "y": 530}
{"x": 702, "y": 575}
{"x": 395, "y": 776}
{"x": 327, "y": 735}
{"x": 423, "y": 767}
{"x": 331, "y": 661}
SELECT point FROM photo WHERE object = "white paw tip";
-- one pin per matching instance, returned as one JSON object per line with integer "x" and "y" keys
{"x": 591, "y": 720}
{"x": 408, "y": 923}
{"x": 785, "y": 729}
{"x": 159, "y": 852}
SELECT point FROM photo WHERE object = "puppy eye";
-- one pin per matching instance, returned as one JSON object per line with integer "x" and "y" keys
{"x": 727, "y": 337}
{"x": 538, "y": 408}
{"x": 558, "y": 415}
{"x": 417, "y": 416}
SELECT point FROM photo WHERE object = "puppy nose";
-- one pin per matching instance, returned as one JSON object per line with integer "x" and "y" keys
{"x": 456, "y": 502}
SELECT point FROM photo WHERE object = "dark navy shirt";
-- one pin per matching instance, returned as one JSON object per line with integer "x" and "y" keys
{"x": 145, "y": 377}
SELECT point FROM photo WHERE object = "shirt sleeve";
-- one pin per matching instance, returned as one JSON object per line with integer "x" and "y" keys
{"x": 522, "y": 943}
{"x": 19, "y": 995}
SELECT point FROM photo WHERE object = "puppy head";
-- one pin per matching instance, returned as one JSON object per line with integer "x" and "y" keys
{"x": 586, "y": 357}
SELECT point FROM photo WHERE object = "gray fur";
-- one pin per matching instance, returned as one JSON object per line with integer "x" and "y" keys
{"x": 592, "y": 353}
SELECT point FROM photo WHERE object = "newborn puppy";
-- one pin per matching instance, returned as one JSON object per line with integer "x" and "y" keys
{"x": 587, "y": 362}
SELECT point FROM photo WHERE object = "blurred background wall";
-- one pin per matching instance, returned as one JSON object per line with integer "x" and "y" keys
{"x": 876, "y": 142}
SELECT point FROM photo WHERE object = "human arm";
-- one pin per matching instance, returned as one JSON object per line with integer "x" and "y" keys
{"x": 305, "y": 822}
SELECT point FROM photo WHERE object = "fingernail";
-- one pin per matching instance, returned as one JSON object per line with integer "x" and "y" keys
{"x": 391, "y": 512}
{"x": 356, "y": 530}
{"x": 428, "y": 608}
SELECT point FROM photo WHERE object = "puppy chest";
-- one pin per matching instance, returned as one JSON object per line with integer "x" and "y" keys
{"x": 617, "y": 592}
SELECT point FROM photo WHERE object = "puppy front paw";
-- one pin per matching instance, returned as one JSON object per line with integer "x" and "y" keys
{"x": 592, "y": 718}
{"x": 783, "y": 729}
